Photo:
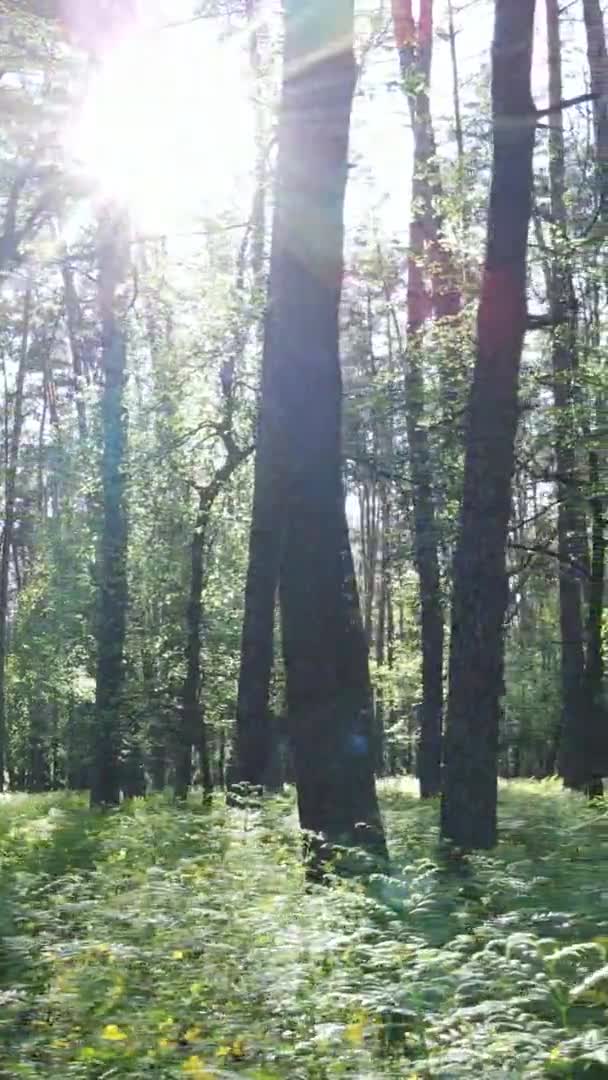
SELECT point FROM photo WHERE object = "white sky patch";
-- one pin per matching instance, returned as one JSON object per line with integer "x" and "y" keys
{"x": 166, "y": 125}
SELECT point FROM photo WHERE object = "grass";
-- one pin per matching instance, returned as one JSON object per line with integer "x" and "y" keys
{"x": 163, "y": 941}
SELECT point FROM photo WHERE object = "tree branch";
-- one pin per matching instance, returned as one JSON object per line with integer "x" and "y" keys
{"x": 566, "y": 103}
{"x": 540, "y": 549}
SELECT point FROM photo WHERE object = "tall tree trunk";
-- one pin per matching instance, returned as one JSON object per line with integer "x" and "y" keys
{"x": 192, "y": 730}
{"x": 10, "y": 492}
{"x": 598, "y": 70}
{"x": 253, "y": 723}
{"x": 415, "y": 51}
{"x": 456, "y": 89}
{"x": 564, "y": 363}
{"x": 328, "y": 687}
{"x": 468, "y": 811}
{"x": 258, "y": 217}
{"x": 112, "y": 554}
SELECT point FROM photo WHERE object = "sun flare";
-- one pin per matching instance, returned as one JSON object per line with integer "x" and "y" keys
{"x": 165, "y": 126}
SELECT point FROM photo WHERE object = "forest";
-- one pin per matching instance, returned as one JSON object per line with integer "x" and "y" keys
{"x": 303, "y": 504}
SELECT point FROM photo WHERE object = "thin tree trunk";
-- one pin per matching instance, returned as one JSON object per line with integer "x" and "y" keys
{"x": 455, "y": 88}
{"x": 328, "y": 687}
{"x": 458, "y": 130}
{"x": 384, "y": 600}
{"x": 258, "y": 217}
{"x": 415, "y": 50}
{"x": 369, "y": 552}
{"x": 598, "y": 70}
{"x": 564, "y": 363}
{"x": 594, "y": 668}
{"x": 479, "y": 600}
{"x": 192, "y": 729}
{"x": 10, "y": 493}
{"x": 74, "y": 325}
{"x": 112, "y": 555}
{"x": 193, "y": 725}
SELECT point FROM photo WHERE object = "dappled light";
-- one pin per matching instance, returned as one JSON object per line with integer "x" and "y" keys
{"x": 303, "y": 509}
{"x": 424, "y": 972}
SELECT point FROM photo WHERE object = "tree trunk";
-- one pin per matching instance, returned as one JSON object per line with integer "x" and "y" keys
{"x": 594, "y": 667}
{"x": 193, "y": 726}
{"x": 564, "y": 363}
{"x": 112, "y": 554}
{"x": 598, "y": 70}
{"x": 415, "y": 50}
{"x": 468, "y": 812}
{"x": 381, "y": 629}
{"x": 192, "y": 729}
{"x": 328, "y": 688}
{"x": 253, "y": 724}
{"x": 253, "y": 732}
{"x": 10, "y": 492}
{"x": 74, "y": 325}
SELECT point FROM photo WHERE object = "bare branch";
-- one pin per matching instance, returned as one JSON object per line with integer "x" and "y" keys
{"x": 566, "y": 103}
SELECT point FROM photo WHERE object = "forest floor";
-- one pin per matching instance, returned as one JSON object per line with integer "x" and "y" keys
{"x": 158, "y": 941}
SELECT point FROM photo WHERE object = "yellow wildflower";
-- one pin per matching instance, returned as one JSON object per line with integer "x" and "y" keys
{"x": 195, "y": 1068}
{"x": 113, "y": 1033}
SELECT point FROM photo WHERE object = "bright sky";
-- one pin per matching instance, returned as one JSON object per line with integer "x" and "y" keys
{"x": 168, "y": 123}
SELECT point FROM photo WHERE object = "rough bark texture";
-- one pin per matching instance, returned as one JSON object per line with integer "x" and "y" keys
{"x": 468, "y": 812}
{"x": 325, "y": 652}
{"x": 112, "y": 554}
{"x": 10, "y": 491}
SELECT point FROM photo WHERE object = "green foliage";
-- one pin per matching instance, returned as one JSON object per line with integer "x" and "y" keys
{"x": 156, "y": 941}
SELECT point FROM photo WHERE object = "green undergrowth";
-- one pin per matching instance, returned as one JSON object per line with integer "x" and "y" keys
{"x": 159, "y": 941}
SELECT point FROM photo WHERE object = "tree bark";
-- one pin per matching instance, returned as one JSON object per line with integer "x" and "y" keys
{"x": 253, "y": 744}
{"x": 594, "y": 667}
{"x": 10, "y": 492}
{"x": 192, "y": 728}
{"x": 564, "y": 363}
{"x": 74, "y": 325}
{"x": 253, "y": 732}
{"x": 328, "y": 687}
{"x": 598, "y": 70}
{"x": 479, "y": 599}
{"x": 193, "y": 725}
{"x": 415, "y": 51}
{"x": 112, "y": 554}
